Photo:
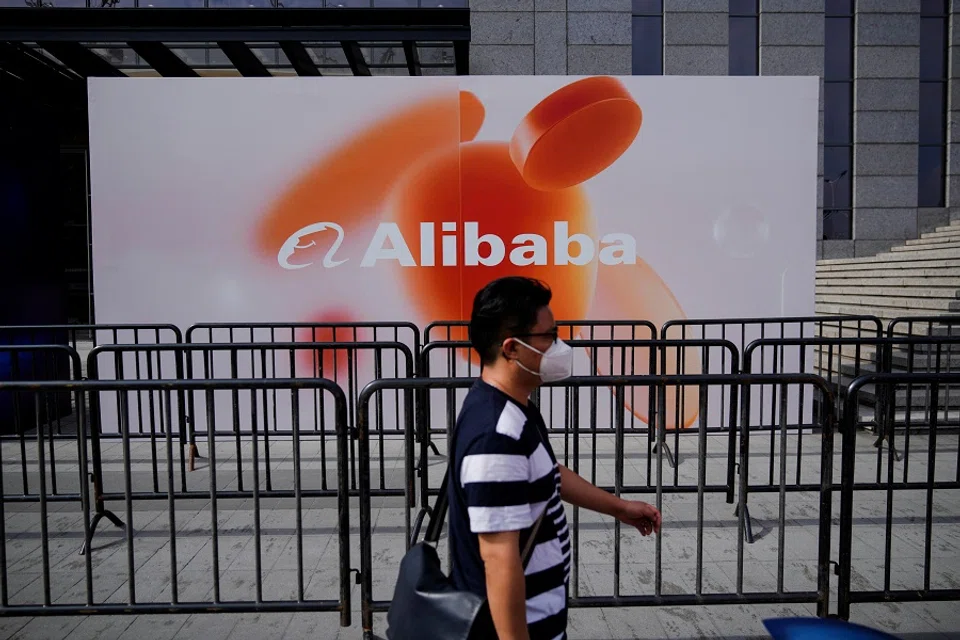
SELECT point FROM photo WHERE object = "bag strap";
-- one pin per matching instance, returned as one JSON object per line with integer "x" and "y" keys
{"x": 533, "y": 537}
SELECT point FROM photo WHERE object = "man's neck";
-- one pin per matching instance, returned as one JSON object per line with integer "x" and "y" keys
{"x": 499, "y": 379}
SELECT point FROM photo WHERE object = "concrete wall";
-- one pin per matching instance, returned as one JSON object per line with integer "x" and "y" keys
{"x": 548, "y": 37}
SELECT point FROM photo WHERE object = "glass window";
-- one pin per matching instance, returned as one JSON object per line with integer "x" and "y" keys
{"x": 743, "y": 7}
{"x": 647, "y": 7}
{"x": 931, "y": 113}
{"x": 933, "y": 7}
{"x": 838, "y": 49}
{"x": 933, "y": 59}
{"x": 837, "y": 224}
{"x": 931, "y": 177}
{"x": 837, "y": 107}
{"x": 838, "y": 8}
{"x": 837, "y": 167}
{"x": 647, "y": 45}
{"x": 743, "y": 46}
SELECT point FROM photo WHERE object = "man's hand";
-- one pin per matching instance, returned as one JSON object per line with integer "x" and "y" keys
{"x": 645, "y": 517}
{"x": 581, "y": 493}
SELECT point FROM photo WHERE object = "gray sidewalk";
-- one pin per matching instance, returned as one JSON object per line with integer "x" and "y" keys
{"x": 596, "y": 553}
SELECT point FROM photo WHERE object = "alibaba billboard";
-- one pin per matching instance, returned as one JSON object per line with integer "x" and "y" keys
{"x": 395, "y": 198}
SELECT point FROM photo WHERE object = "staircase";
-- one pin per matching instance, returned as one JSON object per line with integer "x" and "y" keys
{"x": 919, "y": 278}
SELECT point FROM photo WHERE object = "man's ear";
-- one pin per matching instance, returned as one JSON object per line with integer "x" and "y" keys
{"x": 509, "y": 348}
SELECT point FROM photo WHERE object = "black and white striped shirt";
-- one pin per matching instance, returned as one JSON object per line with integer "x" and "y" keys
{"x": 504, "y": 473}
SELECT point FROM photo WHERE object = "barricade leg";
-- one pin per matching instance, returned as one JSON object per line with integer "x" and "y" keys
{"x": 96, "y": 477}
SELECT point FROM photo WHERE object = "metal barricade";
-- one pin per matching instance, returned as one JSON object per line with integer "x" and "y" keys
{"x": 244, "y": 360}
{"x": 943, "y": 361}
{"x": 84, "y": 337}
{"x": 337, "y": 364}
{"x": 177, "y": 557}
{"x": 691, "y": 527}
{"x": 456, "y": 330}
{"x": 743, "y": 331}
{"x": 861, "y": 356}
{"x": 916, "y": 561}
{"x": 52, "y": 420}
{"x": 599, "y": 357}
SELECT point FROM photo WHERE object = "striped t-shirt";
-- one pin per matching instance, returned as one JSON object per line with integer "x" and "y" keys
{"x": 503, "y": 474}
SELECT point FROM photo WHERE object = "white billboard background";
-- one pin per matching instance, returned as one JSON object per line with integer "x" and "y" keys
{"x": 718, "y": 190}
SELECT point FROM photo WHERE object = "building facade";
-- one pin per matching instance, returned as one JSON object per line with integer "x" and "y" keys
{"x": 889, "y": 102}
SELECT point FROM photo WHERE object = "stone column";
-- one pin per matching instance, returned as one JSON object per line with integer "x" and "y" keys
{"x": 696, "y": 39}
{"x": 791, "y": 44}
{"x": 885, "y": 124}
{"x": 599, "y": 37}
{"x": 502, "y": 37}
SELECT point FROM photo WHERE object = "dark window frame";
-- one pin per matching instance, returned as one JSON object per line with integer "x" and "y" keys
{"x": 838, "y": 216}
{"x": 749, "y": 17}
{"x": 933, "y": 154}
{"x": 646, "y": 60}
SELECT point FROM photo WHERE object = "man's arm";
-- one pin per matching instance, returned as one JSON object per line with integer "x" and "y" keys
{"x": 506, "y": 592}
{"x": 579, "y": 492}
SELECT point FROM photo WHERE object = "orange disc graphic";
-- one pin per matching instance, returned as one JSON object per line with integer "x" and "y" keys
{"x": 349, "y": 183}
{"x": 472, "y": 115}
{"x": 333, "y": 364}
{"x": 514, "y": 223}
{"x": 575, "y": 133}
{"x": 637, "y": 292}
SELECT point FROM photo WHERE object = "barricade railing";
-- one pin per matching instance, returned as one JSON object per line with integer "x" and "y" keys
{"x": 743, "y": 331}
{"x": 917, "y": 563}
{"x": 245, "y": 360}
{"x": 83, "y": 337}
{"x": 862, "y": 356}
{"x": 456, "y": 330}
{"x": 342, "y": 366}
{"x": 603, "y": 357}
{"x": 601, "y": 551}
{"x": 20, "y": 414}
{"x": 178, "y": 561}
{"x": 945, "y": 361}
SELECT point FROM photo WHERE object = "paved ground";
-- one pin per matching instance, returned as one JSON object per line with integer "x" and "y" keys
{"x": 597, "y": 556}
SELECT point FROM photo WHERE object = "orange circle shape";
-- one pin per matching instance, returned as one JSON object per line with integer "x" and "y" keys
{"x": 481, "y": 185}
{"x": 349, "y": 183}
{"x": 638, "y": 292}
{"x": 575, "y": 133}
{"x": 472, "y": 115}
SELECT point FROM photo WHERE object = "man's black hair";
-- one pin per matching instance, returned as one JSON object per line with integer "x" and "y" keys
{"x": 503, "y": 308}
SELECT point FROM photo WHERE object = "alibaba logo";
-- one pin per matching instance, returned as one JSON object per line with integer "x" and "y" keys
{"x": 293, "y": 243}
{"x": 453, "y": 213}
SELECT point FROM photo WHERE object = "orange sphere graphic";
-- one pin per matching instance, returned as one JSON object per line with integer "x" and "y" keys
{"x": 488, "y": 223}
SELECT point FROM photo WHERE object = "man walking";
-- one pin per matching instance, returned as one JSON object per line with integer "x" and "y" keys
{"x": 504, "y": 474}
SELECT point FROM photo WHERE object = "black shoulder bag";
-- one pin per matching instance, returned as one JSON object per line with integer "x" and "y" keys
{"x": 426, "y": 605}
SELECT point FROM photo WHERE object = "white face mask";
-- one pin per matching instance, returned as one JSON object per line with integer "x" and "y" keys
{"x": 556, "y": 363}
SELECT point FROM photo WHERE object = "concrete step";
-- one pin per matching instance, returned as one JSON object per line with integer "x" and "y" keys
{"x": 911, "y": 268}
{"x": 871, "y": 279}
{"x": 888, "y": 302}
{"x": 927, "y": 255}
{"x": 928, "y": 241}
{"x": 852, "y": 289}
{"x": 926, "y": 246}
{"x": 943, "y": 232}
{"x": 925, "y": 358}
{"x": 885, "y": 314}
